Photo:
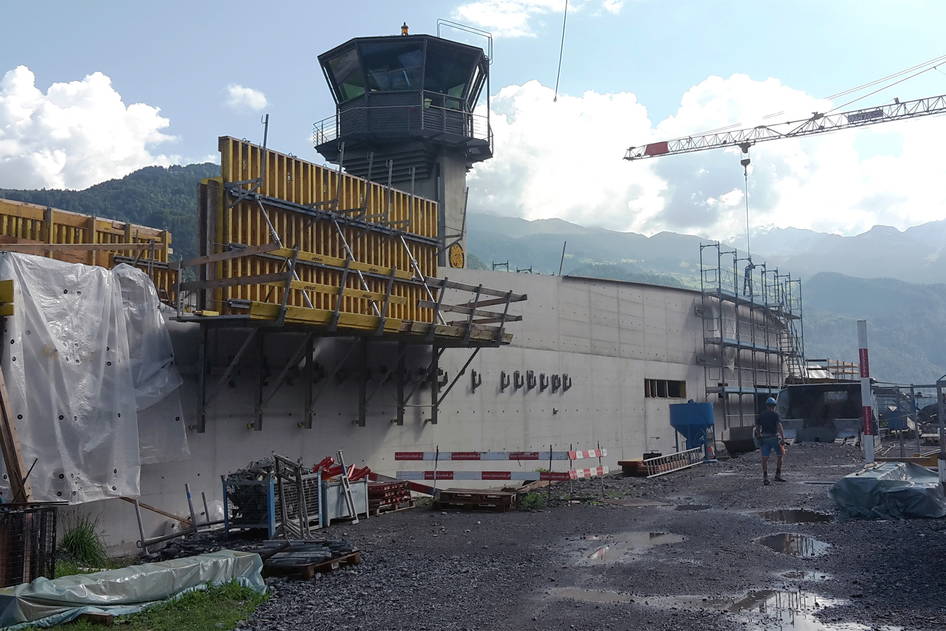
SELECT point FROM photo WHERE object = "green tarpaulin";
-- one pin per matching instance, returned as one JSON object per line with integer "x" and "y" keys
{"x": 47, "y": 602}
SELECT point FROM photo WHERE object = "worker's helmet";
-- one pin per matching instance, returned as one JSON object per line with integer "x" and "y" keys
{"x": 770, "y": 402}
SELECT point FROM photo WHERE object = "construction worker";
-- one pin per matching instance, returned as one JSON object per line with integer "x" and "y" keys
{"x": 769, "y": 433}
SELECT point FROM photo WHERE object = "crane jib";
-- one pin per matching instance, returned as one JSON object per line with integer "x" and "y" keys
{"x": 858, "y": 117}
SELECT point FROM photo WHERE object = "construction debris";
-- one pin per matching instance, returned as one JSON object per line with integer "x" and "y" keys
{"x": 386, "y": 497}
{"x": 476, "y": 499}
{"x": 304, "y": 559}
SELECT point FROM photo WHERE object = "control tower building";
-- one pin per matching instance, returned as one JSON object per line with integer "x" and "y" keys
{"x": 404, "y": 116}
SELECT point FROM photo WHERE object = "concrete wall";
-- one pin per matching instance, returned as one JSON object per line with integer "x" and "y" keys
{"x": 606, "y": 336}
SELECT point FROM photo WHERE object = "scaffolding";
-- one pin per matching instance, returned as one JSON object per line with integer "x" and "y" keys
{"x": 753, "y": 332}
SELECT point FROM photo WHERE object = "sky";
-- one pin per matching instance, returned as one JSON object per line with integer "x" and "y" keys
{"x": 92, "y": 90}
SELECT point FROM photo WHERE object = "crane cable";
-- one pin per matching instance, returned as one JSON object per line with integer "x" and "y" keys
{"x": 747, "y": 281}
{"x": 926, "y": 66}
{"x": 561, "y": 52}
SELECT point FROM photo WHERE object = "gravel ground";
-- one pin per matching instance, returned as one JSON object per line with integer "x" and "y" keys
{"x": 534, "y": 570}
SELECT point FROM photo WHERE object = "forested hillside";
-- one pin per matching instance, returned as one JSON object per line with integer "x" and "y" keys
{"x": 160, "y": 197}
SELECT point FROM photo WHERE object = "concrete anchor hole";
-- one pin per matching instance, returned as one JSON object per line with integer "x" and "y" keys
{"x": 795, "y": 544}
{"x": 794, "y": 516}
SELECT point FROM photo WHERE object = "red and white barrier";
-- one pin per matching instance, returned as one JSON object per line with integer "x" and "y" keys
{"x": 558, "y": 476}
{"x": 578, "y": 474}
{"x": 867, "y": 397}
{"x": 499, "y": 455}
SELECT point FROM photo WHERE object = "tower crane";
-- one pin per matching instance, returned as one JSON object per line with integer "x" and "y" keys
{"x": 817, "y": 123}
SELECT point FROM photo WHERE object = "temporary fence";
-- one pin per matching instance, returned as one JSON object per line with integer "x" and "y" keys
{"x": 473, "y": 456}
{"x": 27, "y": 542}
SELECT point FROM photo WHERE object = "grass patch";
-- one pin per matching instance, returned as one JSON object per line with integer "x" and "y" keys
{"x": 81, "y": 544}
{"x": 218, "y": 608}
{"x": 532, "y": 501}
{"x": 68, "y": 566}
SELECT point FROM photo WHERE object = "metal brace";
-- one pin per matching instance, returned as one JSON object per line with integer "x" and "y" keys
{"x": 504, "y": 381}
{"x": 530, "y": 380}
{"x": 556, "y": 383}
{"x": 543, "y": 382}
{"x": 336, "y": 314}
{"x": 387, "y": 301}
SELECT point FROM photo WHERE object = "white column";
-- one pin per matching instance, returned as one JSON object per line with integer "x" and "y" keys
{"x": 867, "y": 399}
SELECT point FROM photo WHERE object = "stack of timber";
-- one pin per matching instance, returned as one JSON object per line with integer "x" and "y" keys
{"x": 298, "y": 243}
{"x": 476, "y": 499}
{"x": 384, "y": 497}
{"x": 303, "y": 559}
{"x": 77, "y": 238}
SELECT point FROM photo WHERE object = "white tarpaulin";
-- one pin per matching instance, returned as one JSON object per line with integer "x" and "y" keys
{"x": 74, "y": 385}
{"x": 161, "y": 432}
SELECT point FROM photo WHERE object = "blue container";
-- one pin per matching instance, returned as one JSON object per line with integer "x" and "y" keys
{"x": 691, "y": 420}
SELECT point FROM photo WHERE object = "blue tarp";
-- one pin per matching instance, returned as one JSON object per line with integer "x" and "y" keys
{"x": 890, "y": 490}
{"x": 45, "y": 602}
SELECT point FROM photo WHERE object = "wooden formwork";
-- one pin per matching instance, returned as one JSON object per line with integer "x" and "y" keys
{"x": 312, "y": 211}
{"x": 78, "y": 238}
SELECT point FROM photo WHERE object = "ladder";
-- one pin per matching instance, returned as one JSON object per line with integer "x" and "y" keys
{"x": 346, "y": 487}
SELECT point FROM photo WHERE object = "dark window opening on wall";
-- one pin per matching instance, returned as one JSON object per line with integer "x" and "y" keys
{"x": 665, "y": 389}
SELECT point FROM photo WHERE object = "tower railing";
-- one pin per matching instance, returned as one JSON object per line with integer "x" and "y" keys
{"x": 418, "y": 117}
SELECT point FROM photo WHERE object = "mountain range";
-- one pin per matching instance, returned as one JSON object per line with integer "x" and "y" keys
{"x": 890, "y": 277}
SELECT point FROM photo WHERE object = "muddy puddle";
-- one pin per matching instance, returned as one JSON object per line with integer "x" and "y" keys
{"x": 795, "y": 544}
{"x": 794, "y": 516}
{"x": 805, "y": 575}
{"x": 617, "y": 547}
{"x": 786, "y": 610}
{"x": 593, "y": 596}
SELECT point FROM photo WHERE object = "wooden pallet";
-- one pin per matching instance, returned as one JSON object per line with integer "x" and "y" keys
{"x": 392, "y": 508}
{"x": 307, "y": 571}
{"x": 475, "y": 499}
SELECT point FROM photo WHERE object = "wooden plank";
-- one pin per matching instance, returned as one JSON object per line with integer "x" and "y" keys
{"x": 263, "y": 279}
{"x": 31, "y": 248}
{"x": 340, "y": 262}
{"x": 468, "y": 310}
{"x": 235, "y": 253}
{"x": 10, "y": 448}
{"x": 449, "y": 284}
{"x": 332, "y": 290}
{"x": 154, "y": 509}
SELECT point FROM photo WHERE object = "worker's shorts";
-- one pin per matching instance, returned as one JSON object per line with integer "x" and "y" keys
{"x": 770, "y": 444}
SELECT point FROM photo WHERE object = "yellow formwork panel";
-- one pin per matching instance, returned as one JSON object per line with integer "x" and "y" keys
{"x": 316, "y": 239}
{"x": 21, "y": 222}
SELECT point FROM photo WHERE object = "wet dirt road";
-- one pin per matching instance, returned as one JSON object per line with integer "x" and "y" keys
{"x": 707, "y": 548}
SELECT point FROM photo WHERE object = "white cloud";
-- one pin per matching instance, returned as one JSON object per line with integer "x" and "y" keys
{"x": 240, "y": 97}
{"x": 612, "y": 6}
{"x": 564, "y": 160}
{"x": 73, "y": 135}
{"x": 515, "y": 18}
